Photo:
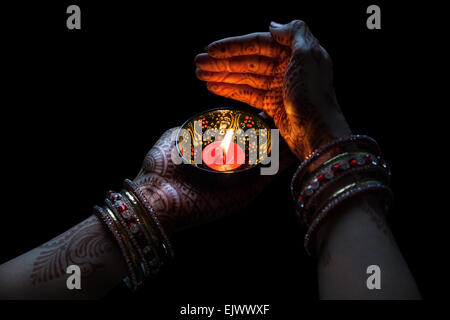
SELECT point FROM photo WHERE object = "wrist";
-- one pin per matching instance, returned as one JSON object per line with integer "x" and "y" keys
{"x": 334, "y": 120}
{"x": 333, "y": 176}
{"x": 163, "y": 202}
{"x": 327, "y": 125}
{"x": 166, "y": 217}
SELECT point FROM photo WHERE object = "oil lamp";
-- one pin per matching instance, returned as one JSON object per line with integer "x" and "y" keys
{"x": 224, "y": 140}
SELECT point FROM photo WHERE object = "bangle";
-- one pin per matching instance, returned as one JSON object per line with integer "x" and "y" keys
{"x": 151, "y": 236}
{"x": 348, "y": 178}
{"x": 124, "y": 247}
{"x": 131, "y": 225}
{"x": 350, "y": 167}
{"x": 352, "y": 159}
{"x": 143, "y": 244}
{"x": 333, "y": 174}
{"x": 354, "y": 140}
{"x": 134, "y": 190}
{"x": 338, "y": 199}
{"x": 145, "y": 235}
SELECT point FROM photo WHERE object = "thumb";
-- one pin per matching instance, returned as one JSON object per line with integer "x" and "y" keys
{"x": 294, "y": 34}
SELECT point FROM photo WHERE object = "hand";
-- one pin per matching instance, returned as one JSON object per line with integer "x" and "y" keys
{"x": 285, "y": 73}
{"x": 180, "y": 201}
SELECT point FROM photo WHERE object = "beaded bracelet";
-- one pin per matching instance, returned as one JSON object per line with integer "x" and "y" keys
{"x": 353, "y": 140}
{"x": 338, "y": 199}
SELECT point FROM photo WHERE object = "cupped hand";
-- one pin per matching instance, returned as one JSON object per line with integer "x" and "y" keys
{"x": 284, "y": 72}
{"x": 181, "y": 201}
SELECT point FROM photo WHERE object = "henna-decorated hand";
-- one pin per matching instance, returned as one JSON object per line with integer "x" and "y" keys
{"x": 181, "y": 201}
{"x": 285, "y": 73}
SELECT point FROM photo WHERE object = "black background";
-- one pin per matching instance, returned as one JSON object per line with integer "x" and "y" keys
{"x": 81, "y": 108}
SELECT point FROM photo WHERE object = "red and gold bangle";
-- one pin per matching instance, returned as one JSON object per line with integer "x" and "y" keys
{"x": 144, "y": 236}
{"x": 134, "y": 190}
{"x": 127, "y": 220}
{"x": 135, "y": 228}
{"x": 157, "y": 248}
{"x": 124, "y": 246}
{"x": 352, "y": 166}
{"x": 354, "y": 141}
{"x": 352, "y": 176}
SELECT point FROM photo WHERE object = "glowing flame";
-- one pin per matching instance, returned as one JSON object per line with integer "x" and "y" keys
{"x": 226, "y": 141}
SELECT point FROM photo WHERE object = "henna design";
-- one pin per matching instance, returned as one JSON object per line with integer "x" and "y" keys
{"x": 288, "y": 77}
{"x": 241, "y": 64}
{"x": 82, "y": 245}
{"x": 181, "y": 201}
{"x": 260, "y": 43}
{"x": 253, "y": 80}
{"x": 292, "y": 82}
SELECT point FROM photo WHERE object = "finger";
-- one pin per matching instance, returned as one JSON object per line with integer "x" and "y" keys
{"x": 253, "y": 80}
{"x": 243, "y": 64}
{"x": 260, "y": 43}
{"x": 239, "y": 92}
{"x": 295, "y": 34}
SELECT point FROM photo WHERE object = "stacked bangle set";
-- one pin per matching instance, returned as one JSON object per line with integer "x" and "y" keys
{"x": 143, "y": 244}
{"x": 333, "y": 174}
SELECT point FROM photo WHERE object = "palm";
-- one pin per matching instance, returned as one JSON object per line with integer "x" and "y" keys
{"x": 293, "y": 86}
{"x": 182, "y": 201}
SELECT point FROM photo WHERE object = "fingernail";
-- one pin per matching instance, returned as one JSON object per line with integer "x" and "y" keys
{"x": 274, "y": 24}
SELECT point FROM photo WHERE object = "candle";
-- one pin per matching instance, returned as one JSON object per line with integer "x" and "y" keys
{"x": 223, "y": 155}
{"x": 242, "y": 139}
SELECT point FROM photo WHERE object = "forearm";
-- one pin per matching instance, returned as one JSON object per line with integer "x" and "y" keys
{"x": 41, "y": 272}
{"x": 355, "y": 238}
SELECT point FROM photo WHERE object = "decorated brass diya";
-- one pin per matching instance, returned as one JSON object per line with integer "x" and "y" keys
{"x": 224, "y": 141}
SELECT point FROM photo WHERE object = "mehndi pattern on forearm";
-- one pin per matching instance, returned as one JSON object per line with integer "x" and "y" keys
{"x": 82, "y": 245}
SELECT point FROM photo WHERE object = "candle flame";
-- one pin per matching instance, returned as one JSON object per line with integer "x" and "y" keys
{"x": 226, "y": 141}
